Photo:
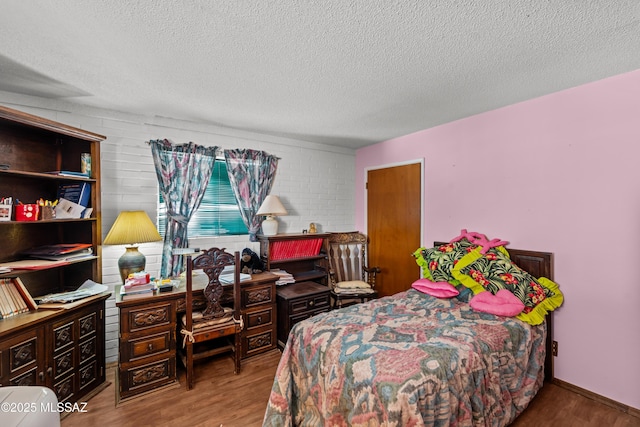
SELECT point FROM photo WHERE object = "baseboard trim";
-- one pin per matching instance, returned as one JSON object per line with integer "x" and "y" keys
{"x": 598, "y": 398}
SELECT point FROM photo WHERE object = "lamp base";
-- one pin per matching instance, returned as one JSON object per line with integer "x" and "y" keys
{"x": 270, "y": 226}
{"x": 130, "y": 262}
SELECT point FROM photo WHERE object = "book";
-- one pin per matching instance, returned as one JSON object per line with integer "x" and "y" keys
{"x": 57, "y": 249}
{"x": 70, "y": 173}
{"x": 20, "y": 303}
{"x": 126, "y": 294}
{"x": 227, "y": 279}
{"x": 6, "y": 308}
{"x": 76, "y": 192}
{"x": 133, "y": 289}
{"x": 81, "y": 254}
{"x": 67, "y": 209}
{"x": 32, "y": 264}
{"x": 15, "y": 304}
{"x": 26, "y": 295}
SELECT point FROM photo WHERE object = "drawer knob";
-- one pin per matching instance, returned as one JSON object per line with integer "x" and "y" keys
{"x": 311, "y": 304}
{"x": 150, "y": 347}
{"x": 259, "y": 319}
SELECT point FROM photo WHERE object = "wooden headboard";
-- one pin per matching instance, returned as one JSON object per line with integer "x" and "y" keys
{"x": 538, "y": 264}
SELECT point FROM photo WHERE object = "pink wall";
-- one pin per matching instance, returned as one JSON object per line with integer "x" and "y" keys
{"x": 560, "y": 173}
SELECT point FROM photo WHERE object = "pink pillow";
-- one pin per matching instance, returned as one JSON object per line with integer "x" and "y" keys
{"x": 436, "y": 289}
{"x": 503, "y": 303}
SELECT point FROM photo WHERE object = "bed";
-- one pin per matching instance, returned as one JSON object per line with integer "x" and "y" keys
{"x": 413, "y": 359}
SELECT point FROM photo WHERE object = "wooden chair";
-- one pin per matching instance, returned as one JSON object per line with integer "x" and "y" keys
{"x": 350, "y": 280}
{"x": 216, "y": 329}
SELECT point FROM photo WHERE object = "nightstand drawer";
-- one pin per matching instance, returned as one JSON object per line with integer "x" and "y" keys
{"x": 302, "y": 316}
{"x": 312, "y": 302}
{"x": 148, "y": 345}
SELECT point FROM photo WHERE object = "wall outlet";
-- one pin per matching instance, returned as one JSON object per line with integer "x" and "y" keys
{"x": 555, "y": 348}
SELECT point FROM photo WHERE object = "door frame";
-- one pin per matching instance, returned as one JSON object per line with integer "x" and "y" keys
{"x": 391, "y": 165}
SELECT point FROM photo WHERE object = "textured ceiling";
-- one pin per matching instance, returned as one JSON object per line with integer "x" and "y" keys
{"x": 348, "y": 73}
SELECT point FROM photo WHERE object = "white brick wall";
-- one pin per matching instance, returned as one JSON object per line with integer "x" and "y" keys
{"x": 315, "y": 182}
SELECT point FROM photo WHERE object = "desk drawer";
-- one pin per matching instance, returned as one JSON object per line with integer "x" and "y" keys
{"x": 258, "y": 340}
{"x": 257, "y": 295}
{"x": 139, "y": 319}
{"x": 146, "y": 377}
{"x": 148, "y": 345}
{"x": 258, "y": 318}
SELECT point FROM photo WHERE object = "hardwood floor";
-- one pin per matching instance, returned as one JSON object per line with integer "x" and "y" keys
{"x": 220, "y": 398}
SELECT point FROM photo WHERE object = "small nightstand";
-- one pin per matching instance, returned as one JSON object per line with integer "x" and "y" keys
{"x": 299, "y": 301}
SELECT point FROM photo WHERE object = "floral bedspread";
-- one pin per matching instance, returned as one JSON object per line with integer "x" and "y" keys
{"x": 407, "y": 360}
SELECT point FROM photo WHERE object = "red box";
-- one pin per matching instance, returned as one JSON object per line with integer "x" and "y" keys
{"x": 27, "y": 212}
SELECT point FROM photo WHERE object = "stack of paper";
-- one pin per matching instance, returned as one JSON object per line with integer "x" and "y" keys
{"x": 61, "y": 252}
{"x": 87, "y": 289}
{"x": 284, "y": 278}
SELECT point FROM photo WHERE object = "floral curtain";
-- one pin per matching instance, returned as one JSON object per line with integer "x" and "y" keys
{"x": 251, "y": 174}
{"x": 183, "y": 173}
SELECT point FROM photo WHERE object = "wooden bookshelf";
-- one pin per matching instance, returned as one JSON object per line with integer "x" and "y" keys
{"x": 62, "y": 349}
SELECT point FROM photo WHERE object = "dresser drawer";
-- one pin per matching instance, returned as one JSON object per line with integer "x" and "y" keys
{"x": 141, "y": 319}
{"x": 64, "y": 388}
{"x": 88, "y": 325}
{"x": 24, "y": 353}
{"x": 63, "y": 363}
{"x": 147, "y": 346}
{"x": 88, "y": 374}
{"x": 63, "y": 335}
{"x": 28, "y": 378}
{"x": 88, "y": 349}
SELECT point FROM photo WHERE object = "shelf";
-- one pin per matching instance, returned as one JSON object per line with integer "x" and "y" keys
{"x": 290, "y": 260}
{"x": 48, "y": 221}
{"x": 311, "y": 275}
{"x": 41, "y": 175}
{"x": 20, "y": 272}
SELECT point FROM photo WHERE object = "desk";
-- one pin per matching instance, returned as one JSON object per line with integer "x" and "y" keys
{"x": 148, "y": 331}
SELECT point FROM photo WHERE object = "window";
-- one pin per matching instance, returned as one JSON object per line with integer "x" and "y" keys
{"x": 218, "y": 214}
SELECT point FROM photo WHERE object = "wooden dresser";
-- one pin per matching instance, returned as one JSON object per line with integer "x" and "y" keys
{"x": 60, "y": 349}
{"x": 149, "y": 335}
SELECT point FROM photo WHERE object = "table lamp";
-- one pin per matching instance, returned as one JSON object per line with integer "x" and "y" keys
{"x": 270, "y": 208}
{"x": 132, "y": 228}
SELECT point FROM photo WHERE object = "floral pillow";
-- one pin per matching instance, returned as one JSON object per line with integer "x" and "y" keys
{"x": 438, "y": 262}
{"x": 495, "y": 271}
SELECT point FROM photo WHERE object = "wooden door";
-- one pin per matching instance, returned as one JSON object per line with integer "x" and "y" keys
{"x": 394, "y": 201}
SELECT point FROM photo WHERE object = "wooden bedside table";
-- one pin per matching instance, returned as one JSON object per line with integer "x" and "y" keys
{"x": 299, "y": 301}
